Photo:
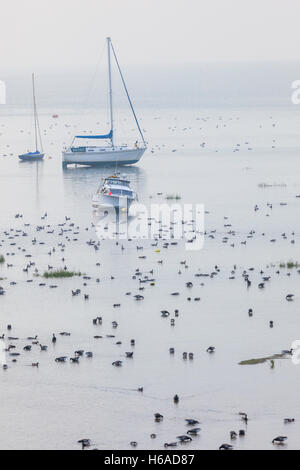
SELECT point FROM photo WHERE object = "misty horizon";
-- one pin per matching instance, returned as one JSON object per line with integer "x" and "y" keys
{"x": 204, "y": 84}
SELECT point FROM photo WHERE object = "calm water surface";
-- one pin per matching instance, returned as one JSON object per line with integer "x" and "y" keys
{"x": 54, "y": 406}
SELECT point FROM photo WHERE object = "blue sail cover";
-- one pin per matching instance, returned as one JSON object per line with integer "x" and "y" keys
{"x": 106, "y": 136}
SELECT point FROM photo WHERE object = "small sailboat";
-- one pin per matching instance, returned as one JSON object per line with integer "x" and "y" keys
{"x": 114, "y": 192}
{"x": 38, "y": 154}
{"x": 110, "y": 153}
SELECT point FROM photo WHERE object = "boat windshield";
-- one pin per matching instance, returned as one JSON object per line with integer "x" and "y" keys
{"x": 121, "y": 192}
{"x": 127, "y": 193}
{"x": 116, "y": 192}
{"x": 115, "y": 182}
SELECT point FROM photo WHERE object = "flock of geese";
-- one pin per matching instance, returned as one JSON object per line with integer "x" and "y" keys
{"x": 67, "y": 233}
{"x": 22, "y": 239}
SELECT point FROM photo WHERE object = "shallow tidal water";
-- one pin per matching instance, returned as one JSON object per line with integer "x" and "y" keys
{"x": 54, "y": 406}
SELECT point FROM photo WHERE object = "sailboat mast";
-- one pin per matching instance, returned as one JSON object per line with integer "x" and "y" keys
{"x": 34, "y": 111}
{"x": 110, "y": 91}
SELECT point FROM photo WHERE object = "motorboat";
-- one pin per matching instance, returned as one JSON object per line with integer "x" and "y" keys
{"x": 114, "y": 192}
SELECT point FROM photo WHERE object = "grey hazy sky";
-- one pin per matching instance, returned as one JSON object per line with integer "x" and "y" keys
{"x": 63, "y": 33}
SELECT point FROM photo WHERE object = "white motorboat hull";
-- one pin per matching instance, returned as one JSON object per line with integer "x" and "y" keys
{"x": 125, "y": 156}
{"x": 107, "y": 202}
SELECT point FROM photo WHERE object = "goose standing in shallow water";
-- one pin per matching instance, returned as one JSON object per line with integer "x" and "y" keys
{"x": 289, "y": 420}
{"x": 170, "y": 444}
{"x": 290, "y": 297}
{"x": 194, "y": 431}
{"x": 117, "y": 363}
{"x": 61, "y": 359}
{"x": 280, "y": 440}
{"x": 158, "y": 417}
{"x": 191, "y": 422}
{"x": 85, "y": 443}
{"x": 75, "y": 360}
{"x": 183, "y": 439}
{"x": 225, "y": 447}
{"x": 244, "y": 416}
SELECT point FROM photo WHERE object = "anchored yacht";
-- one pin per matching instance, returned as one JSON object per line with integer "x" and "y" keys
{"x": 38, "y": 154}
{"x": 109, "y": 153}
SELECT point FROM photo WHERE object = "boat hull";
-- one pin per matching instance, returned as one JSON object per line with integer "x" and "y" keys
{"x": 31, "y": 157}
{"x": 108, "y": 202}
{"x": 122, "y": 157}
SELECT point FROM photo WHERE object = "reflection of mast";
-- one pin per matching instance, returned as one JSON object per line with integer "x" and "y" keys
{"x": 37, "y": 185}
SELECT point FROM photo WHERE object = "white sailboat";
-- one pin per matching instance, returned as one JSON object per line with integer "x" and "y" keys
{"x": 38, "y": 154}
{"x": 108, "y": 154}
